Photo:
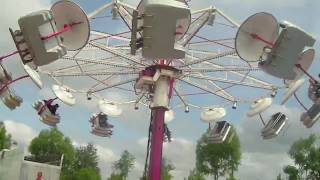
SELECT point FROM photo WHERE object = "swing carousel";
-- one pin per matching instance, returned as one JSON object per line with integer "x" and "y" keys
{"x": 164, "y": 55}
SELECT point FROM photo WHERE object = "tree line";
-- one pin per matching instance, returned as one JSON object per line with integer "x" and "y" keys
{"x": 79, "y": 163}
{"x": 213, "y": 161}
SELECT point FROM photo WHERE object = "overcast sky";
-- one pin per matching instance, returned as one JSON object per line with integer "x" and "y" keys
{"x": 261, "y": 160}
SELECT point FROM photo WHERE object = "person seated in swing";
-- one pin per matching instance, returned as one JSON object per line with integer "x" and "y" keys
{"x": 314, "y": 90}
{"x": 167, "y": 133}
{"x": 103, "y": 120}
{"x": 92, "y": 122}
{"x": 52, "y": 108}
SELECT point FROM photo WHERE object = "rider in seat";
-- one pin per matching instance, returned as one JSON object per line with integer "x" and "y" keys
{"x": 103, "y": 120}
{"x": 167, "y": 133}
{"x": 52, "y": 108}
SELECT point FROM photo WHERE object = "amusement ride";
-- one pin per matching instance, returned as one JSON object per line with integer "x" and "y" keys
{"x": 166, "y": 56}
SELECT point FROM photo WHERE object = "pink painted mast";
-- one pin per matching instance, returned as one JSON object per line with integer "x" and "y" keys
{"x": 156, "y": 143}
{"x": 162, "y": 93}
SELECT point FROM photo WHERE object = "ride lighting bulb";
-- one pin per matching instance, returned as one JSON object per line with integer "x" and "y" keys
{"x": 234, "y": 106}
{"x": 187, "y": 109}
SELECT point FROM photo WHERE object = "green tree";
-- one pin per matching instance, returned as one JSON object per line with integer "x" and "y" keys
{"x": 79, "y": 164}
{"x": 279, "y": 177}
{"x": 292, "y": 172}
{"x": 122, "y": 166}
{"x": 5, "y": 139}
{"x": 195, "y": 175}
{"x": 166, "y": 168}
{"x": 86, "y": 157}
{"x": 306, "y": 156}
{"x": 87, "y": 174}
{"x": 114, "y": 176}
{"x": 218, "y": 159}
{"x": 50, "y": 145}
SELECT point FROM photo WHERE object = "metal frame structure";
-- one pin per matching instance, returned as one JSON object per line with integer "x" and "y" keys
{"x": 210, "y": 67}
{"x": 198, "y": 70}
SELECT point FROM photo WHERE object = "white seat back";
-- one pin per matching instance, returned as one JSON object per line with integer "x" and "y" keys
{"x": 33, "y": 27}
{"x": 286, "y": 52}
{"x": 160, "y": 22}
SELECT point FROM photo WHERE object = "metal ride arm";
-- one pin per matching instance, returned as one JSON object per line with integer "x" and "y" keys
{"x": 107, "y": 35}
{"x": 100, "y": 10}
{"x": 115, "y": 85}
{"x": 122, "y": 10}
{"x": 180, "y": 97}
{"x": 242, "y": 83}
{"x": 100, "y": 82}
{"x": 226, "y": 69}
{"x": 138, "y": 100}
{"x": 220, "y": 92}
{"x": 117, "y": 53}
{"x": 235, "y": 24}
{"x": 101, "y": 61}
{"x": 196, "y": 25}
{"x": 218, "y": 11}
{"x": 215, "y": 56}
{"x": 103, "y": 73}
{"x": 234, "y": 72}
{"x": 248, "y": 77}
{"x": 125, "y": 15}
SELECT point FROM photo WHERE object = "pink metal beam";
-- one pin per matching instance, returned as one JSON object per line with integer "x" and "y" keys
{"x": 66, "y": 28}
{"x": 156, "y": 143}
{"x": 10, "y": 82}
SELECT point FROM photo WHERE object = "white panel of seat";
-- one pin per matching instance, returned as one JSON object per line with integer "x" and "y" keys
{"x": 287, "y": 52}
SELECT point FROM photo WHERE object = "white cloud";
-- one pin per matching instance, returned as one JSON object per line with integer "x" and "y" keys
{"x": 20, "y": 132}
{"x": 10, "y": 12}
{"x": 262, "y": 166}
{"x": 181, "y": 152}
{"x": 106, "y": 158}
{"x": 106, "y": 154}
{"x": 273, "y": 3}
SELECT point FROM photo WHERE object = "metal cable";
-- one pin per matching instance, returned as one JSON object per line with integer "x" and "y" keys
{"x": 148, "y": 147}
{"x": 97, "y": 61}
{"x": 299, "y": 101}
{"x": 262, "y": 119}
{"x": 94, "y": 74}
{"x": 217, "y": 56}
{"x": 241, "y": 69}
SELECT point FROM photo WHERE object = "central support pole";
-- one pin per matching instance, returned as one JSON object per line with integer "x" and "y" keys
{"x": 156, "y": 143}
{"x": 159, "y": 106}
